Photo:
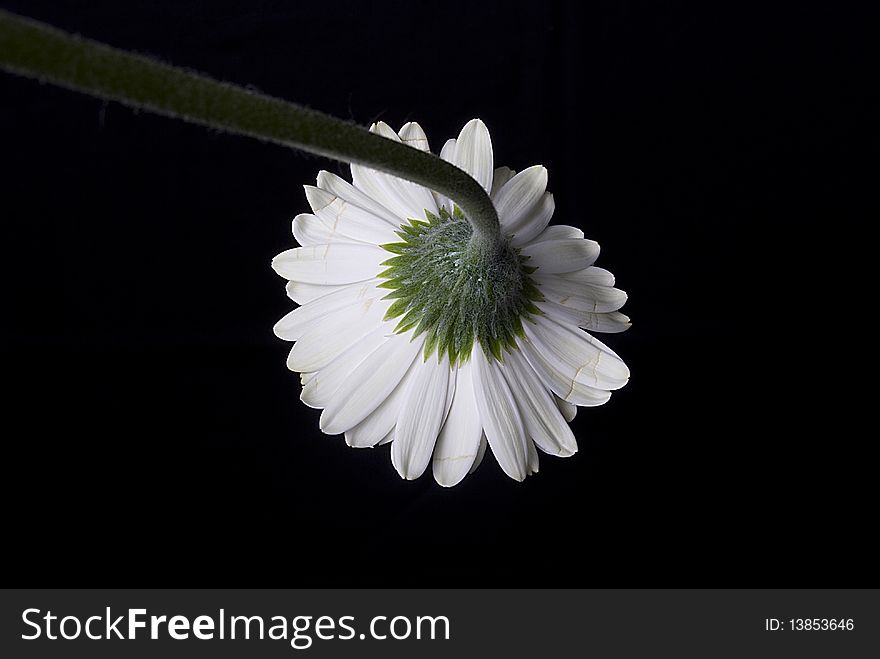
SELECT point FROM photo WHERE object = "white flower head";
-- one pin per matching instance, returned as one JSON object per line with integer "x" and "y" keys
{"x": 408, "y": 334}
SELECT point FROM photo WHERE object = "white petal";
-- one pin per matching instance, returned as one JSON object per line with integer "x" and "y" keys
{"x": 563, "y": 314}
{"x": 501, "y": 176}
{"x": 309, "y": 230}
{"x": 303, "y": 293}
{"x": 319, "y": 388}
{"x": 413, "y": 135}
{"x": 555, "y": 256}
{"x": 386, "y": 131}
{"x": 516, "y": 200}
{"x": 558, "y": 376}
{"x": 338, "y": 221}
{"x": 578, "y": 295}
{"x": 446, "y": 153}
{"x": 404, "y": 198}
{"x": 559, "y": 232}
{"x": 587, "y": 360}
{"x": 420, "y": 418}
{"x": 569, "y": 411}
{"x": 370, "y": 383}
{"x": 330, "y": 335}
{"x": 387, "y": 439}
{"x": 292, "y": 326}
{"x": 532, "y": 457}
{"x": 592, "y": 275}
{"x": 610, "y": 323}
{"x": 343, "y": 218}
{"x": 342, "y": 263}
{"x": 481, "y": 451}
{"x": 473, "y": 153}
{"x": 372, "y": 430}
{"x": 459, "y": 439}
{"x": 339, "y": 187}
{"x": 541, "y": 417}
{"x": 500, "y": 416}
{"x": 535, "y": 221}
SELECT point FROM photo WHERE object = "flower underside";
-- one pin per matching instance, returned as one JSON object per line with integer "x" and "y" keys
{"x": 456, "y": 290}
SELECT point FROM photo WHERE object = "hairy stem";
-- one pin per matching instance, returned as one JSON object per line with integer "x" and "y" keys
{"x": 37, "y": 50}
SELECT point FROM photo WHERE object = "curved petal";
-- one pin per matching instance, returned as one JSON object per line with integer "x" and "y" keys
{"x": 501, "y": 176}
{"x": 569, "y": 411}
{"x": 308, "y": 231}
{"x": 558, "y": 376}
{"x": 592, "y": 275}
{"x": 535, "y": 221}
{"x": 331, "y": 335}
{"x": 341, "y": 217}
{"x": 473, "y": 153}
{"x": 446, "y": 153}
{"x": 579, "y": 295}
{"x": 404, "y": 198}
{"x": 319, "y": 388}
{"x": 481, "y": 451}
{"x": 500, "y": 416}
{"x": 532, "y": 457}
{"x": 339, "y": 187}
{"x": 459, "y": 439}
{"x": 542, "y": 419}
{"x": 370, "y": 383}
{"x": 610, "y": 323}
{"x": 292, "y": 326}
{"x": 420, "y": 418}
{"x": 303, "y": 293}
{"x": 556, "y": 256}
{"x": 412, "y": 135}
{"x": 342, "y": 263}
{"x": 372, "y": 430}
{"x": 559, "y": 232}
{"x": 518, "y": 197}
{"x": 587, "y": 360}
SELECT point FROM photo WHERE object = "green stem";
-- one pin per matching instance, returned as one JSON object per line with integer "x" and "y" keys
{"x": 37, "y": 50}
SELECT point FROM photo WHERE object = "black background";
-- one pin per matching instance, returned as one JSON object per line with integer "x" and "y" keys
{"x": 154, "y": 436}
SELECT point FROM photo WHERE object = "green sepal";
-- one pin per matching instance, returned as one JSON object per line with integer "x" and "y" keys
{"x": 388, "y": 273}
{"x": 496, "y": 347}
{"x": 395, "y": 248}
{"x": 450, "y": 350}
{"x": 396, "y": 309}
{"x": 394, "y": 295}
{"x": 430, "y": 344}
{"x": 532, "y": 292}
{"x": 408, "y": 321}
{"x": 396, "y": 260}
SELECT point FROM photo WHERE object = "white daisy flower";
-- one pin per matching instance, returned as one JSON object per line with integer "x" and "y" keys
{"x": 408, "y": 333}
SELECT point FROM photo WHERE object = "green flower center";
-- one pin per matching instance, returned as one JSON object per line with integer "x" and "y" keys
{"x": 457, "y": 291}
